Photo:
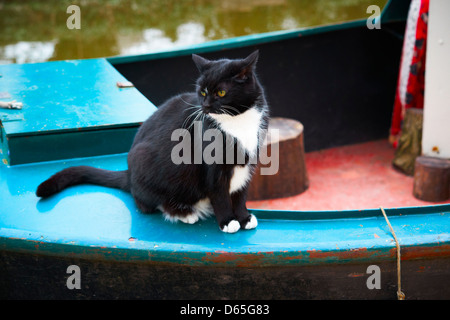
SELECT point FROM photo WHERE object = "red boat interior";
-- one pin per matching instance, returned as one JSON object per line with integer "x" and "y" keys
{"x": 358, "y": 176}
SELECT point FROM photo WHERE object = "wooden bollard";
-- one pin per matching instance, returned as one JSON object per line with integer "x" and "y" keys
{"x": 291, "y": 178}
{"x": 432, "y": 179}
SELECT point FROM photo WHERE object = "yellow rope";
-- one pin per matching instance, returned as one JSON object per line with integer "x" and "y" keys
{"x": 400, "y": 294}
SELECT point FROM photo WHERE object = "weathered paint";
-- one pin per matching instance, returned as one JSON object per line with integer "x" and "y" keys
{"x": 101, "y": 228}
{"x": 69, "y": 112}
{"x": 93, "y": 222}
{"x": 439, "y": 250}
{"x": 100, "y": 223}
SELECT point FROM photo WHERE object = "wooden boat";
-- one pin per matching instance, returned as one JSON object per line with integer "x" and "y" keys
{"x": 338, "y": 80}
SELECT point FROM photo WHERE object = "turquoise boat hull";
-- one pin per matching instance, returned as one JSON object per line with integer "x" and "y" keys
{"x": 121, "y": 253}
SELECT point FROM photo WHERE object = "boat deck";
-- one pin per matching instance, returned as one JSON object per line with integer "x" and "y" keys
{"x": 95, "y": 222}
{"x": 102, "y": 222}
{"x": 358, "y": 176}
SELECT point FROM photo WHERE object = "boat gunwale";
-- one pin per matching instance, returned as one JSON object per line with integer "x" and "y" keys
{"x": 262, "y": 255}
{"x": 137, "y": 251}
{"x": 224, "y": 258}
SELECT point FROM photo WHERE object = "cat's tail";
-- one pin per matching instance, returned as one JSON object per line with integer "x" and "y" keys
{"x": 81, "y": 175}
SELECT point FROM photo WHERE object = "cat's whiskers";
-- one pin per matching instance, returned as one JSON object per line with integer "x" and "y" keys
{"x": 188, "y": 118}
{"x": 199, "y": 114}
{"x": 190, "y": 104}
{"x": 226, "y": 111}
{"x": 196, "y": 113}
{"x": 231, "y": 108}
{"x": 194, "y": 107}
{"x": 203, "y": 117}
{"x": 247, "y": 107}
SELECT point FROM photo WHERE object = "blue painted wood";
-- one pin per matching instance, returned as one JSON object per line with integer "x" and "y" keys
{"x": 93, "y": 221}
{"x": 65, "y": 106}
{"x": 99, "y": 223}
{"x": 70, "y": 95}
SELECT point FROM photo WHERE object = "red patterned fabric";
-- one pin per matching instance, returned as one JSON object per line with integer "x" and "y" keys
{"x": 411, "y": 79}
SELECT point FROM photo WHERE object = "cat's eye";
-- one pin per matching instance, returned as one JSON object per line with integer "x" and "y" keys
{"x": 203, "y": 93}
{"x": 221, "y": 93}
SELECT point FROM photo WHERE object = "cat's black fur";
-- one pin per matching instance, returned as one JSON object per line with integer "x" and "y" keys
{"x": 154, "y": 180}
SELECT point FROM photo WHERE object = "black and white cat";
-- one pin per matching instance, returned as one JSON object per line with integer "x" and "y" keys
{"x": 229, "y": 98}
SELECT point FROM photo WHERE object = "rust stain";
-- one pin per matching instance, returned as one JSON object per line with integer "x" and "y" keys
{"x": 356, "y": 275}
{"x": 298, "y": 257}
{"x": 412, "y": 253}
{"x": 237, "y": 259}
{"x": 341, "y": 255}
{"x": 261, "y": 258}
{"x": 421, "y": 269}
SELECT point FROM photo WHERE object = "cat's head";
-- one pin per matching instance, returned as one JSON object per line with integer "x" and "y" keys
{"x": 227, "y": 86}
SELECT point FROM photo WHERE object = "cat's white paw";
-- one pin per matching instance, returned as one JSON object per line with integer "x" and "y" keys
{"x": 252, "y": 223}
{"x": 232, "y": 227}
{"x": 190, "y": 218}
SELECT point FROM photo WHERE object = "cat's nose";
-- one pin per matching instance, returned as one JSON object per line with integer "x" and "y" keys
{"x": 206, "y": 108}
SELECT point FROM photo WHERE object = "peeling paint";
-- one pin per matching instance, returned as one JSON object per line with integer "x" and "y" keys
{"x": 427, "y": 252}
{"x": 359, "y": 253}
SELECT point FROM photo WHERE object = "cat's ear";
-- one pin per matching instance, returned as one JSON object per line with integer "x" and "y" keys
{"x": 201, "y": 63}
{"x": 252, "y": 59}
{"x": 248, "y": 65}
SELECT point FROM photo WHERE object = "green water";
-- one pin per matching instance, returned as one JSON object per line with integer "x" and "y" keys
{"x": 36, "y": 30}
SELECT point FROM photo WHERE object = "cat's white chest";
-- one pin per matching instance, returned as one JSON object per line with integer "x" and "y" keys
{"x": 241, "y": 176}
{"x": 244, "y": 127}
